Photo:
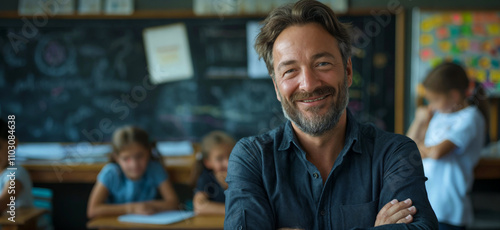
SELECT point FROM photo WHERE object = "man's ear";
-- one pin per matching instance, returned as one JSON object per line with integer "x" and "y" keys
{"x": 276, "y": 88}
{"x": 349, "y": 72}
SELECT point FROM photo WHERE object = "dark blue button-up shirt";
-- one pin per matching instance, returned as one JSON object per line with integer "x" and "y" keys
{"x": 272, "y": 185}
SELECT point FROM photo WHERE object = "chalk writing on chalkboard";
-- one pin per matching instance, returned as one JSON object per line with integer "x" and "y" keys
{"x": 13, "y": 58}
{"x": 55, "y": 56}
{"x": 78, "y": 80}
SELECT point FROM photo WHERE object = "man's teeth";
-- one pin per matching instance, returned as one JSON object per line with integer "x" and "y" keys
{"x": 317, "y": 99}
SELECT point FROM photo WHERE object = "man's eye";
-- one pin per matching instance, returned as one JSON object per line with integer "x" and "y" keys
{"x": 323, "y": 64}
{"x": 289, "y": 71}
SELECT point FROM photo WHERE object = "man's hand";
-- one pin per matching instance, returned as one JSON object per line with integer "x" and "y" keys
{"x": 396, "y": 212}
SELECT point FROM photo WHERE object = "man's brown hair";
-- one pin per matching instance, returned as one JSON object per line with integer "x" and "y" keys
{"x": 301, "y": 13}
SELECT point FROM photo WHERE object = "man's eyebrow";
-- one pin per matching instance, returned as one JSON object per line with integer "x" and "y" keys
{"x": 323, "y": 54}
{"x": 285, "y": 63}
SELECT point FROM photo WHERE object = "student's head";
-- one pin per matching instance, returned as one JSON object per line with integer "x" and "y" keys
{"x": 307, "y": 53}
{"x": 216, "y": 147}
{"x": 132, "y": 151}
{"x": 4, "y": 149}
{"x": 446, "y": 87}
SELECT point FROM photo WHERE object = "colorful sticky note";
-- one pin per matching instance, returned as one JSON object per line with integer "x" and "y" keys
{"x": 455, "y": 50}
{"x": 427, "y": 25}
{"x": 442, "y": 33}
{"x": 495, "y": 63}
{"x": 474, "y": 46}
{"x": 426, "y": 39}
{"x": 466, "y": 30}
{"x": 478, "y": 29}
{"x": 435, "y": 61}
{"x": 495, "y": 75}
{"x": 496, "y": 41}
{"x": 493, "y": 52}
{"x": 471, "y": 72}
{"x": 481, "y": 75}
{"x": 475, "y": 61}
{"x": 493, "y": 29}
{"x": 463, "y": 44}
{"x": 485, "y": 62}
{"x": 445, "y": 46}
{"x": 426, "y": 54}
{"x": 486, "y": 46}
{"x": 467, "y": 16}
{"x": 454, "y": 31}
{"x": 456, "y": 19}
{"x": 437, "y": 20}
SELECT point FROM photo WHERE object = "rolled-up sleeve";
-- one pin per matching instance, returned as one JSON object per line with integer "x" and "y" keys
{"x": 247, "y": 203}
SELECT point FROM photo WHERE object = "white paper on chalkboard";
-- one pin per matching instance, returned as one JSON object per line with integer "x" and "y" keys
{"x": 123, "y": 7}
{"x": 256, "y": 68}
{"x": 167, "y": 217}
{"x": 168, "y": 53}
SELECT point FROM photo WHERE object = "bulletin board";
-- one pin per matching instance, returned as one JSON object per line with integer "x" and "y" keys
{"x": 470, "y": 38}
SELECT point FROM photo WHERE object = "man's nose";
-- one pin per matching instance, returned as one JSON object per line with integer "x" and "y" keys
{"x": 309, "y": 80}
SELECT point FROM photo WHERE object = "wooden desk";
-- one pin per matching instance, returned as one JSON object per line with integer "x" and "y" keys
{"x": 179, "y": 169}
{"x": 26, "y": 218}
{"x": 195, "y": 223}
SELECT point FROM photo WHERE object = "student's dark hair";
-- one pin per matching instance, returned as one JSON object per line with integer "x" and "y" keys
{"x": 124, "y": 136}
{"x": 4, "y": 128}
{"x": 301, "y": 13}
{"x": 450, "y": 76}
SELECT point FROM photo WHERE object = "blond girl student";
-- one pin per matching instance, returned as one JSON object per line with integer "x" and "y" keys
{"x": 135, "y": 180}
{"x": 209, "y": 195}
{"x": 450, "y": 133}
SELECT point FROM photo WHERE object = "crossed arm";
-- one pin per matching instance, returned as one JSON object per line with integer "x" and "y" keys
{"x": 97, "y": 205}
{"x": 247, "y": 201}
{"x": 417, "y": 132}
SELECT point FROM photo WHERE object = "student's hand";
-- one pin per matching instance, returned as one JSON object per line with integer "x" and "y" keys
{"x": 423, "y": 114}
{"x": 396, "y": 212}
{"x": 142, "y": 208}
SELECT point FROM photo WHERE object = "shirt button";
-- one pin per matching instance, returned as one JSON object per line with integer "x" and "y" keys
{"x": 240, "y": 227}
{"x": 315, "y": 175}
{"x": 323, "y": 212}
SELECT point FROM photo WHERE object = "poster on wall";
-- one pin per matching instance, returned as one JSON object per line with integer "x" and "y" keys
{"x": 167, "y": 53}
{"x": 469, "y": 38}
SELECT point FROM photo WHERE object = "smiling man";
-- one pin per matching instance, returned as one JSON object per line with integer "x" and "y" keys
{"x": 321, "y": 169}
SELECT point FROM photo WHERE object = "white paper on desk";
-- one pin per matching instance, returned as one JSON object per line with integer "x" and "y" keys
{"x": 167, "y": 217}
{"x": 175, "y": 148}
{"x": 86, "y": 149}
{"x": 44, "y": 151}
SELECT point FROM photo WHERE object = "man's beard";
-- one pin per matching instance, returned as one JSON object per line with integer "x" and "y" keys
{"x": 317, "y": 124}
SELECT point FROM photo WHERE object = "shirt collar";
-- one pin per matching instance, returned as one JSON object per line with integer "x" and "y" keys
{"x": 352, "y": 135}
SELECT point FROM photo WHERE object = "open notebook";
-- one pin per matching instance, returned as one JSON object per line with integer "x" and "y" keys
{"x": 167, "y": 217}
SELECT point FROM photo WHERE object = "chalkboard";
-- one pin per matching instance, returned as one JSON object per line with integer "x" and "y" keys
{"x": 78, "y": 80}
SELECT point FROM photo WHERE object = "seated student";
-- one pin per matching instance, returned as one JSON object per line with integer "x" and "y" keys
{"x": 133, "y": 179}
{"x": 209, "y": 195}
{"x": 450, "y": 134}
{"x": 23, "y": 185}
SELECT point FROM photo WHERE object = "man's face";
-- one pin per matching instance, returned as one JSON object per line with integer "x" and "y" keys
{"x": 310, "y": 79}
